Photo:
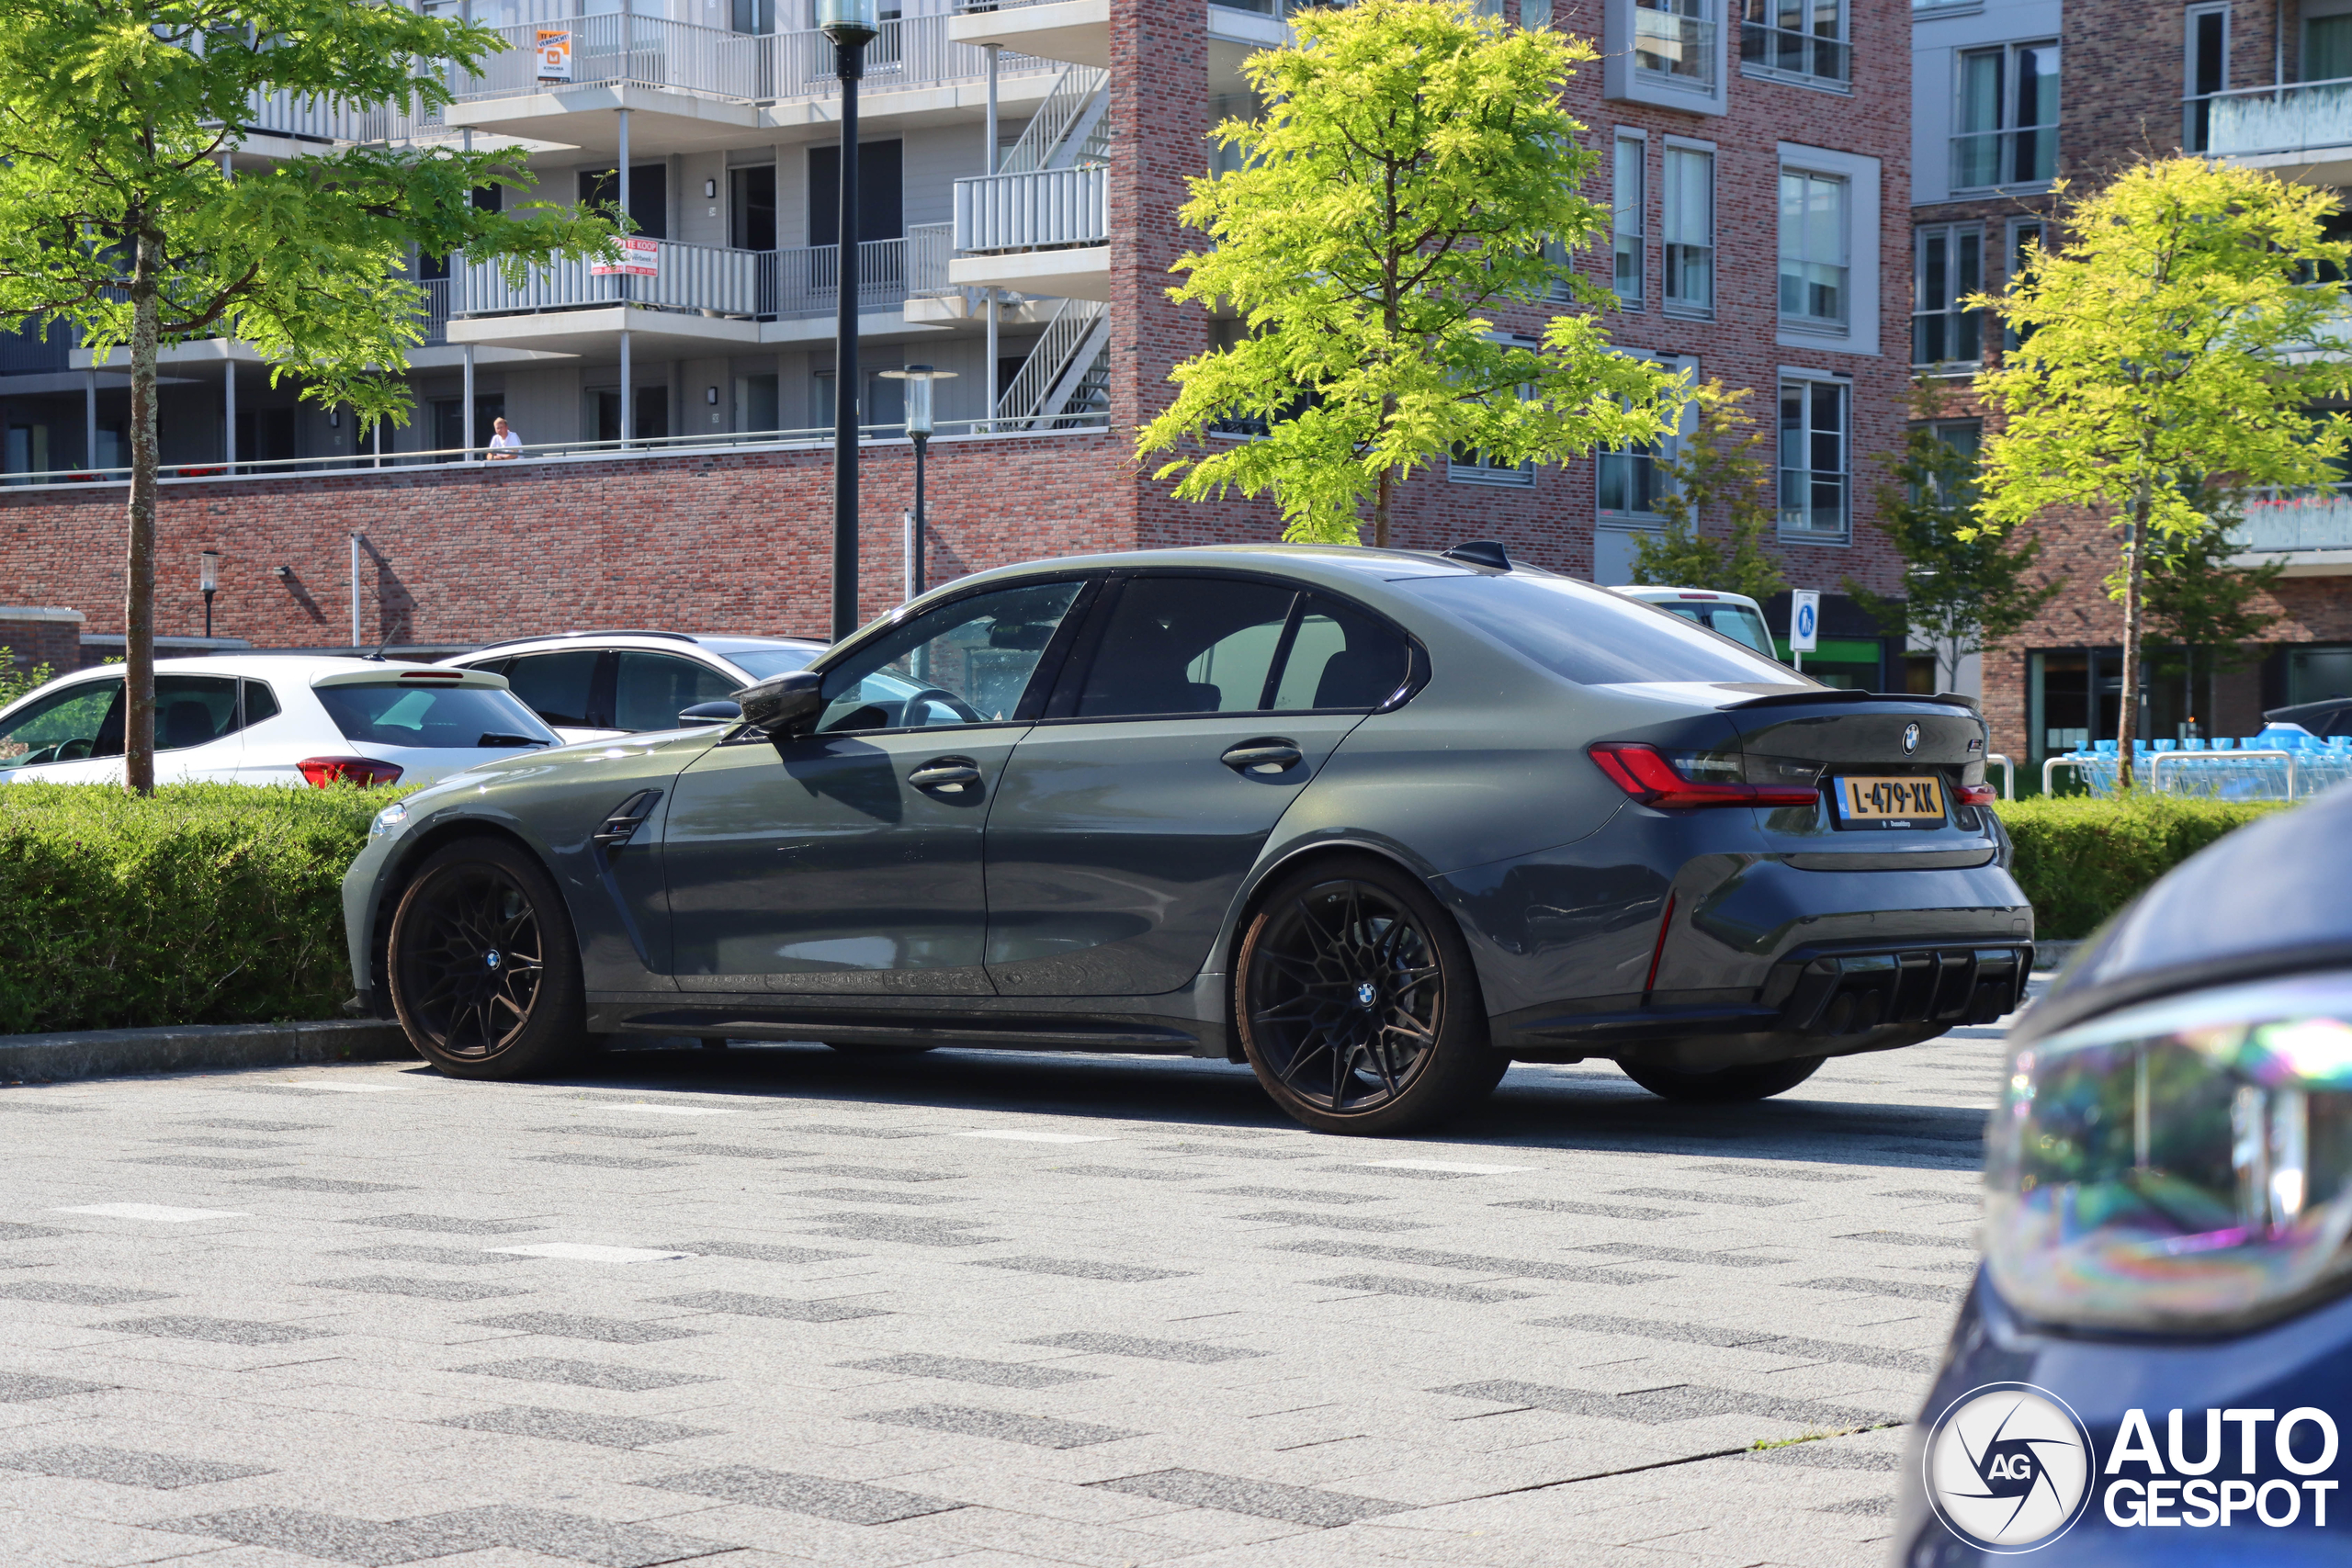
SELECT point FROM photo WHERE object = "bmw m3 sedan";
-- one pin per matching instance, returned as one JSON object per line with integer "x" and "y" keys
{"x": 1376, "y": 822}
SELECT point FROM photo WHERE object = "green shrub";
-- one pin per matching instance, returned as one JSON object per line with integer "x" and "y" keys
{"x": 206, "y": 903}
{"x": 2081, "y": 859}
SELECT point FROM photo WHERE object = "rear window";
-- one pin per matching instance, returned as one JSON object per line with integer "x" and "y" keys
{"x": 1737, "y": 622}
{"x": 441, "y": 718}
{"x": 1593, "y": 637}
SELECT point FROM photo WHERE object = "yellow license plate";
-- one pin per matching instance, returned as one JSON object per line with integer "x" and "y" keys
{"x": 1890, "y": 800}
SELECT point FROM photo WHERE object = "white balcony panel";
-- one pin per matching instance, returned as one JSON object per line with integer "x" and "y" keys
{"x": 1060, "y": 275}
{"x": 1043, "y": 207}
{"x": 614, "y": 48}
{"x": 706, "y": 280}
{"x": 1078, "y": 32}
{"x": 2311, "y": 535}
{"x": 2300, "y": 117}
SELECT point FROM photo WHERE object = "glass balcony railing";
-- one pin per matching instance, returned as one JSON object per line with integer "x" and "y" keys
{"x": 1784, "y": 51}
{"x": 2280, "y": 520}
{"x": 1673, "y": 41}
{"x": 2295, "y": 117}
{"x": 1987, "y": 160}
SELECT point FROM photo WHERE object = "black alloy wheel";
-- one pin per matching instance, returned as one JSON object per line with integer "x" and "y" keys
{"x": 484, "y": 974}
{"x": 1356, "y": 1002}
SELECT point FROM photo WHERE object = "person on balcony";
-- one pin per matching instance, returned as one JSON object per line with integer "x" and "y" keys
{"x": 504, "y": 444}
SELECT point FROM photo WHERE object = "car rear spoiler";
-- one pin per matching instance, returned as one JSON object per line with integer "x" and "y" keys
{"x": 429, "y": 675}
{"x": 1839, "y": 695}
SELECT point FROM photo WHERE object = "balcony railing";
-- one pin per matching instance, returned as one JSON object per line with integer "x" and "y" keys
{"x": 1984, "y": 160}
{"x": 2293, "y": 117}
{"x": 435, "y": 313}
{"x": 2283, "y": 521}
{"x": 1674, "y": 45}
{"x": 1040, "y": 210}
{"x": 710, "y": 280}
{"x": 1784, "y": 51}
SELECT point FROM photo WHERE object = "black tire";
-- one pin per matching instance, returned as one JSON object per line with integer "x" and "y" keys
{"x": 1732, "y": 1086}
{"x": 1356, "y": 1002}
{"x": 484, "y": 969}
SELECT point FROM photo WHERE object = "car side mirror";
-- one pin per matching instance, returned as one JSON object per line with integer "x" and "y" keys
{"x": 709, "y": 713}
{"x": 784, "y": 705}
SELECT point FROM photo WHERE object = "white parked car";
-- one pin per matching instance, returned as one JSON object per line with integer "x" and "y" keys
{"x": 272, "y": 719}
{"x": 597, "y": 685}
{"x": 1735, "y": 615}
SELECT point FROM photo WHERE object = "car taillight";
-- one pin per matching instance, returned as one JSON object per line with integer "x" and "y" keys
{"x": 362, "y": 770}
{"x": 1977, "y": 795}
{"x": 1650, "y": 776}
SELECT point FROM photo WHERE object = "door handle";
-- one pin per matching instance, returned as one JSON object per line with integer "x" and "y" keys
{"x": 946, "y": 773}
{"x": 1280, "y": 756}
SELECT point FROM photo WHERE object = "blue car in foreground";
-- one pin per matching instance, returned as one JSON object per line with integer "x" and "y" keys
{"x": 2156, "y": 1363}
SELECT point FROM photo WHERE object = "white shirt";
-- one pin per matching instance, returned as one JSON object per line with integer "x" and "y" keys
{"x": 510, "y": 441}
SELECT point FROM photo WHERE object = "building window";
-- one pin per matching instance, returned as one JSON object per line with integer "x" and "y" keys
{"x": 1690, "y": 231}
{"x": 2025, "y": 243}
{"x": 1675, "y": 39}
{"x": 1535, "y": 13}
{"x": 1802, "y": 40}
{"x": 2007, "y": 129}
{"x": 1813, "y": 248}
{"x": 2208, "y": 73}
{"x": 1469, "y": 466}
{"x": 1627, "y": 219}
{"x": 1628, "y": 480}
{"x": 2327, "y": 46}
{"x": 1814, "y": 449}
{"x": 1965, "y": 436}
{"x": 1948, "y": 266}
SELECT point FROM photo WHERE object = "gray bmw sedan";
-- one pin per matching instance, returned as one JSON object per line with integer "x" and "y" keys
{"x": 1376, "y": 822}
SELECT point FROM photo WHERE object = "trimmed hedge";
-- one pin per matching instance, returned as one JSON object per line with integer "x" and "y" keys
{"x": 206, "y": 903}
{"x": 2081, "y": 859}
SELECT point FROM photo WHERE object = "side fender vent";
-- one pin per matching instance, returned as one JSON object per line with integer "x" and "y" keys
{"x": 626, "y": 819}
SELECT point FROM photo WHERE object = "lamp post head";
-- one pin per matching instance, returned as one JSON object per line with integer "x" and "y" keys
{"x": 917, "y": 378}
{"x": 208, "y": 570}
{"x": 849, "y": 23}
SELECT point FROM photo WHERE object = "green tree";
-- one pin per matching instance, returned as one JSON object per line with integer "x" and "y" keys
{"x": 2200, "y": 598}
{"x": 2176, "y": 335}
{"x": 118, "y": 221}
{"x": 1413, "y": 172}
{"x": 1719, "y": 469}
{"x": 1963, "y": 585}
{"x": 16, "y": 682}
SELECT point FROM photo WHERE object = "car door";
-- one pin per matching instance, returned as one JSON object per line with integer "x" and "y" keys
{"x": 199, "y": 730}
{"x": 651, "y": 689}
{"x": 569, "y": 689}
{"x": 847, "y": 859}
{"x": 63, "y": 737}
{"x": 1199, "y": 709}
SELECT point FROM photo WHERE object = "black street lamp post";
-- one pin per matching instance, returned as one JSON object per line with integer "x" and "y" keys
{"x": 208, "y": 578}
{"x": 920, "y": 425}
{"x": 852, "y": 25}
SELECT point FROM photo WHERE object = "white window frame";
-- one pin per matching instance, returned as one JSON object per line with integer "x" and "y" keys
{"x": 1801, "y": 376}
{"x": 1667, "y": 451}
{"x": 1630, "y": 228}
{"x": 1763, "y": 36}
{"x": 1477, "y": 471}
{"x": 1668, "y": 243}
{"x": 1860, "y": 333}
{"x": 2005, "y": 130}
{"x": 2191, "y": 100}
{"x": 1840, "y": 259}
{"x": 1952, "y": 234}
{"x": 1703, "y": 89}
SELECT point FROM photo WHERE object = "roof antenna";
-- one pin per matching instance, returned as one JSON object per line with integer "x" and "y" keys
{"x": 379, "y": 655}
{"x": 1481, "y": 552}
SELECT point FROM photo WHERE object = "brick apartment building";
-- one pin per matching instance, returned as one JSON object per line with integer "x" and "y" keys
{"x": 2267, "y": 84}
{"x": 1753, "y": 152}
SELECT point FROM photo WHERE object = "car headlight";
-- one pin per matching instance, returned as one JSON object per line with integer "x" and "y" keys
{"x": 389, "y": 819}
{"x": 2184, "y": 1164}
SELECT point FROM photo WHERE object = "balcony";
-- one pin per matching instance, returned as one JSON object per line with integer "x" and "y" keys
{"x": 2297, "y": 122}
{"x": 1042, "y": 231}
{"x": 1786, "y": 54}
{"x": 1997, "y": 160}
{"x": 2309, "y": 533}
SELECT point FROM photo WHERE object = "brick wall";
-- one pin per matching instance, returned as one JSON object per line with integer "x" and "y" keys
{"x": 38, "y": 635}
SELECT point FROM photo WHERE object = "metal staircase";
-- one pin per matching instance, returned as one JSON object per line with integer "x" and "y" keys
{"x": 1072, "y": 127}
{"x": 1065, "y": 379}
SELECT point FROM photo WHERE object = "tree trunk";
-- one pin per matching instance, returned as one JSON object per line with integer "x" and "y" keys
{"x": 2127, "y": 724}
{"x": 138, "y": 594}
{"x": 1379, "y": 509}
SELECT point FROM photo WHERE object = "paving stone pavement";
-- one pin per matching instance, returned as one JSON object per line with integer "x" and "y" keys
{"x": 972, "y": 1309}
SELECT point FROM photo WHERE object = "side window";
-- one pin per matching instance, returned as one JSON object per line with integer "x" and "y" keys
{"x": 191, "y": 710}
{"x": 559, "y": 686}
{"x": 649, "y": 690}
{"x": 968, "y": 662}
{"x": 261, "y": 703}
{"x": 62, "y": 726}
{"x": 1341, "y": 657}
{"x": 1177, "y": 645}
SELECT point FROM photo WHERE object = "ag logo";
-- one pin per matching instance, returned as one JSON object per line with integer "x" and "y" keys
{"x": 2008, "y": 1467}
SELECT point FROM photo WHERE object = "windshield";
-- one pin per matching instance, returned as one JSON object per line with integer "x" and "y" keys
{"x": 438, "y": 718}
{"x": 1736, "y": 622}
{"x": 1593, "y": 637}
{"x": 760, "y": 663}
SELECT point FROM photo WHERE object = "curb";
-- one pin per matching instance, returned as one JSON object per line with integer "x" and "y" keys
{"x": 115, "y": 1052}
